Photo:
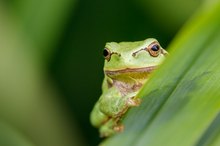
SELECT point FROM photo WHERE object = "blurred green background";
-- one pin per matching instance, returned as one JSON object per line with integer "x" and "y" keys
{"x": 51, "y": 61}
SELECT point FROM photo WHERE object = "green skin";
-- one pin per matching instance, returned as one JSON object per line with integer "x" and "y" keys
{"x": 127, "y": 67}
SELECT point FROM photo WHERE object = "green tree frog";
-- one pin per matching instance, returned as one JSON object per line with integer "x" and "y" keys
{"x": 127, "y": 67}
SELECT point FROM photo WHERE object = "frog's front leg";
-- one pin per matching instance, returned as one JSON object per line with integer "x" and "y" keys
{"x": 107, "y": 125}
{"x": 110, "y": 108}
{"x": 114, "y": 108}
{"x": 114, "y": 104}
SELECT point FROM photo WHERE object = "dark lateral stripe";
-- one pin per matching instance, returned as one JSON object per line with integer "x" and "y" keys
{"x": 131, "y": 70}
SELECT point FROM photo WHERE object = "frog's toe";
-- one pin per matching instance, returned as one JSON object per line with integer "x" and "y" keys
{"x": 133, "y": 101}
{"x": 118, "y": 128}
{"x": 106, "y": 131}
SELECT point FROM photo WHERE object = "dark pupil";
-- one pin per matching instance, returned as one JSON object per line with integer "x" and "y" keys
{"x": 155, "y": 48}
{"x": 105, "y": 52}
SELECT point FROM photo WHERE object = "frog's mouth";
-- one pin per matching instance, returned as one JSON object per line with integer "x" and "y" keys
{"x": 143, "y": 70}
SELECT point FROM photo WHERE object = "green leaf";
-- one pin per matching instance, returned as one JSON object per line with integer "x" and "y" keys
{"x": 29, "y": 102}
{"x": 43, "y": 22}
{"x": 181, "y": 101}
{"x": 11, "y": 137}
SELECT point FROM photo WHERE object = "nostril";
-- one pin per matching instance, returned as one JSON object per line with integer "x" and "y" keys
{"x": 134, "y": 54}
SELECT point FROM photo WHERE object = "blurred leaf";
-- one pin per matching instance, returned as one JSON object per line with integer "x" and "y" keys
{"x": 28, "y": 100}
{"x": 181, "y": 101}
{"x": 170, "y": 14}
{"x": 11, "y": 137}
{"x": 43, "y": 22}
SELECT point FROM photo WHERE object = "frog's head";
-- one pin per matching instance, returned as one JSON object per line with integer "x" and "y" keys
{"x": 127, "y": 57}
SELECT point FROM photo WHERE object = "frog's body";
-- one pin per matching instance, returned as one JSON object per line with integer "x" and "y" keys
{"x": 127, "y": 67}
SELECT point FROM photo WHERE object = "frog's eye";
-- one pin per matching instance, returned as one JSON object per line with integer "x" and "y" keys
{"x": 154, "y": 49}
{"x": 107, "y": 54}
